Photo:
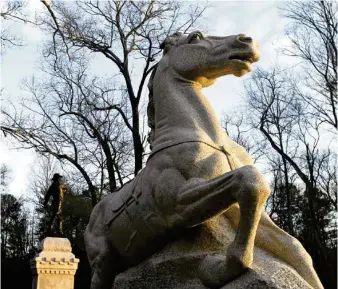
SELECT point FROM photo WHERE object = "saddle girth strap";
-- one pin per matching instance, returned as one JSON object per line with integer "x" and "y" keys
{"x": 219, "y": 148}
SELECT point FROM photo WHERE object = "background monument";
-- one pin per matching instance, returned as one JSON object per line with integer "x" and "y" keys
{"x": 55, "y": 266}
{"x": 56, "y": 191}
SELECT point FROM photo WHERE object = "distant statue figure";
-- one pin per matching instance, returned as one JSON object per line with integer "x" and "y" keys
{"x": 56, "y": 191}
{"x": 195, "y": 172}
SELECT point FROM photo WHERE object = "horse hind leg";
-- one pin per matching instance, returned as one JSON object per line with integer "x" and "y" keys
{"x": 105, "y": 265}
{"x": 288, "y": 249}
{"x": 201, "y": 200}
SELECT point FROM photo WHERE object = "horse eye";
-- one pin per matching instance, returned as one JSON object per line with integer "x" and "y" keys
{"x": 196, "y": 36}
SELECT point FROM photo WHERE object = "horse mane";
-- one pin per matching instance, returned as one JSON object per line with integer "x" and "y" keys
{"x": 165, "y": 45}
{"x": 151, "y": 109}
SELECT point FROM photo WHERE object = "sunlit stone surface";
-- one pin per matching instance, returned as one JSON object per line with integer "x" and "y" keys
{"x": 55, "y": 266}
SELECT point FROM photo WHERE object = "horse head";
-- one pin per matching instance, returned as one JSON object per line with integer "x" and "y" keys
{"x": 202, "y": 59}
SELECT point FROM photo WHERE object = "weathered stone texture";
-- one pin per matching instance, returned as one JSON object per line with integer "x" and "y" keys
{"x": 176, "y": 265}
{"x": 194, "y": 173}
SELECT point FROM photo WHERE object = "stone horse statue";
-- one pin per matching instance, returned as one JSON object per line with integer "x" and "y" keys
{"x": 195, "y": 172}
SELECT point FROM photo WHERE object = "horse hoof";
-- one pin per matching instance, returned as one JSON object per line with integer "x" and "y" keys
{"x": 238, "y": 260}
{"x": 218, "y": 270}
{"x": 239, "y": 257}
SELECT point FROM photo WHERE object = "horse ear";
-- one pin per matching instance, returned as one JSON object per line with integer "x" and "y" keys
{"x": 165, "y": 45}
{"x": 162, "y": 45}
{"x": 170, "y": 41}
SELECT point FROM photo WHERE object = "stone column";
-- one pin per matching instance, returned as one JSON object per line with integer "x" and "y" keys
{"x": 55, "y": 266}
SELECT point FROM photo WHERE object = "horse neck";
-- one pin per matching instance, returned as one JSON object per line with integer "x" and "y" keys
{"x": 183, "y": 113}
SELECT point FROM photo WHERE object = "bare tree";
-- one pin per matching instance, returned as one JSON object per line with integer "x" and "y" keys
{"x": 122, "y": 31}
{"x": 62, "y": 119}
{"x": 244, "y": 129}
{"x": 11, "y": 12}
{"x": 326, "y": 175}
{"x": 91, "y": 122}
{"x": 76, "y": 202}
{"x": 240, "y": 129}
{"x": 313, "y": 35}
{"x": 281, "y": 116}
{"x": 279, "y": 205}
{"x": 40, "y": 179}
{"x": 14, "y": 224}
{"x": 5, "y": 175}
{"x": 270, "y": 96}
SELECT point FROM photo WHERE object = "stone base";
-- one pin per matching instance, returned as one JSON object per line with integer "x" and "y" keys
{"x": 176, "y": 265}
{"x": 55, "y": 266}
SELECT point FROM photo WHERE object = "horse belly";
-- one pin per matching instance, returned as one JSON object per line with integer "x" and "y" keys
{"x": 138, "y": 231}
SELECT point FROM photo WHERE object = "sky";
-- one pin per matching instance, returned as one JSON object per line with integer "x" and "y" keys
{"x": 260, "y": 20}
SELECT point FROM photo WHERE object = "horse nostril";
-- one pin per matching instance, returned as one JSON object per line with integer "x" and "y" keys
{"x": 245, "y": 39}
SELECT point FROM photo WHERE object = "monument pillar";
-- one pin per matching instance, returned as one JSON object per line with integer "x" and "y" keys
{"x": 55, "y": 266}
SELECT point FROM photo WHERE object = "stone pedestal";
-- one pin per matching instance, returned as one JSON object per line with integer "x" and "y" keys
{"x": 176, "y": 265}
{"x": 55, "y": 266}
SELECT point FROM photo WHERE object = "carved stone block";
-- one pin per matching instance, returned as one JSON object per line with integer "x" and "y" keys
{"x": 55, "y": 266}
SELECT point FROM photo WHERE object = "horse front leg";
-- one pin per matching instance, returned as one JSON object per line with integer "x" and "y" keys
{"x": 282, "y": 245}
{"x": 201, "y": 199}
{"x": 104, "y": 259}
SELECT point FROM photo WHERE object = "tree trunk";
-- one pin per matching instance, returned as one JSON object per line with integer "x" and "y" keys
{"x": 288, "y": 198}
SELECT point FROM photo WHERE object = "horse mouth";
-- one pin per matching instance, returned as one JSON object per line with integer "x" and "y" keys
{"x": 249, "y": 58}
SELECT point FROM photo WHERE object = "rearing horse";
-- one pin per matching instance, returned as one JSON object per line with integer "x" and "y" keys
{"x": 195, "y": 172}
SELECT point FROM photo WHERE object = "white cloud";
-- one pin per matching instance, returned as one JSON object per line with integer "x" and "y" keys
{"x": 19, "y": 162}
{"x": 258, "y": 19}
